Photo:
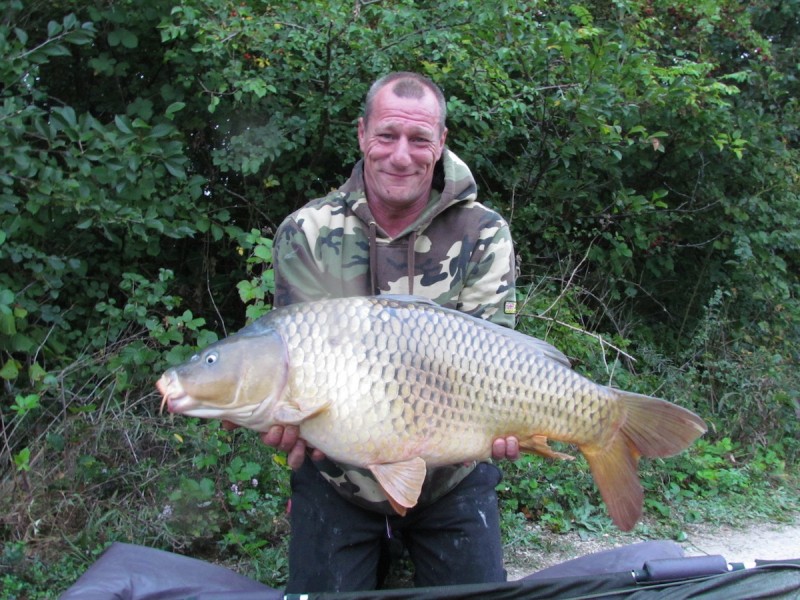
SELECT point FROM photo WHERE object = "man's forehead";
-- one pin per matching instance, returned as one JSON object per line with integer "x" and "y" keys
{"x": 389, "y": 106}
{"x": 413, "y": 125}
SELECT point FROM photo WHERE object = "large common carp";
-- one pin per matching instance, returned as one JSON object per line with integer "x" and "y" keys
{"x": 397, "y": 384}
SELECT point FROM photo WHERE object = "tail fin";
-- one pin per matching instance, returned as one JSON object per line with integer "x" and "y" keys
{"x": 652, "y": 428}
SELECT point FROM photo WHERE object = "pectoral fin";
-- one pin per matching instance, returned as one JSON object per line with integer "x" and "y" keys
{"x": 401, "y": 481}
{"x": 297, "y": 411}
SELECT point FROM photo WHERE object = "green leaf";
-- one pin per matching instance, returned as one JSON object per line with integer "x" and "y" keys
{"x": 129, "y": 39}
{"x": 22, "y": 459}
{"x": 123, "y": 124}
{"x": 10, "y": 370}
{"x": 24, "y": 404}
{"x": 173, "y": 108}
{"x": 162, "y": 130}
{"x": 175, "y": 167}
{"x": 264, "y": 253}
{"x": 8, "y": 324}
{"x": 123, "y": 37}
{"x": 79, "y": 37}
{"x": 22, "y": 36}
{"x": 36, "y": 373}
{"x": 66, "y": 116}
{"x": 53, "y": 29}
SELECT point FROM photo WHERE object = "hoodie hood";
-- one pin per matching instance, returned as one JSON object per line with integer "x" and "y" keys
{"x": 452, "y": 184}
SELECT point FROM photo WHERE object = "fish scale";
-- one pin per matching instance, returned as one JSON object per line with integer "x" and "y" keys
{"x": 397, "y": 385}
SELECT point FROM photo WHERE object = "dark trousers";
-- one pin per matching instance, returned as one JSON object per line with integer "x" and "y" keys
{"x": 337, "y": 546}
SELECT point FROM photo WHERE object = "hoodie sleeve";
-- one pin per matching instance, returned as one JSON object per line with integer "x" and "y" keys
{"x": 320, "y": 251}
{"x": 489, "y": 291}
{"x": 297, "y": 276}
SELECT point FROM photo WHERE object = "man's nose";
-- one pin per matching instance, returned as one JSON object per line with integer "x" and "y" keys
{"x": 400, "y": 153}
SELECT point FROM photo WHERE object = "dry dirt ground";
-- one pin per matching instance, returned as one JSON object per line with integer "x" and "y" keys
{"x": 738, "y": 545}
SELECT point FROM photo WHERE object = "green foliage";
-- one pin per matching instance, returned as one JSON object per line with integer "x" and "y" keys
{"x": 260, "y": 283}
{"x": 233, "y": 495}
{"x": 742, "y": 379}
{"x": 22, "y": 578}
{"x": 559, "y": 495}
{"x": 722, "y": 482}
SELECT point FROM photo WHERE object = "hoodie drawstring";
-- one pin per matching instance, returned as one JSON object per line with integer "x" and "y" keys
{"x": 411, "y": 259}
{"x": 373, "y": 259}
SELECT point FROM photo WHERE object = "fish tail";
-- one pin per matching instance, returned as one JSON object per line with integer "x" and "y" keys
{"x": 650, "y": 427}
{"x": 658, "y": 428}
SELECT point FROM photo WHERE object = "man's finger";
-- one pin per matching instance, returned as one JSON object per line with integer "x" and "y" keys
{"x": 273, "y": 436}
{"x": 499, "y": 449}
{"x": 291, "y": 435}
{"x": 512, "y": 448}
{"x": 296, "y": 455}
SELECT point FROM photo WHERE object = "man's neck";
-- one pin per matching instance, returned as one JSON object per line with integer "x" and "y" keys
{"x": 395, "y": 221}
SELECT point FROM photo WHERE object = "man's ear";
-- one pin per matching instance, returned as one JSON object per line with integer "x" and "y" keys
{"x": 362, "y": 133}
{"x": 442, "y": 141}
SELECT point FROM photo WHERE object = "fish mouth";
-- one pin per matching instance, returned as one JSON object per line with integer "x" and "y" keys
{"x": 174, "y": 397}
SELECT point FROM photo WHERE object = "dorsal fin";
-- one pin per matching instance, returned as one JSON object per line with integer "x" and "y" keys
{"x": 408, "y": 298}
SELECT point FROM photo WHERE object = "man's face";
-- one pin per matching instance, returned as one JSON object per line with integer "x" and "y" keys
{"x": 401, "y": 143}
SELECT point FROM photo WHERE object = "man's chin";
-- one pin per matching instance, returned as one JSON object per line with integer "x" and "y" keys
{"x": 401, "y": 195}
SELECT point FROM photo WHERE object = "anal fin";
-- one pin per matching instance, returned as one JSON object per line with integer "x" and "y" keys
{"x": 537, "y": 444}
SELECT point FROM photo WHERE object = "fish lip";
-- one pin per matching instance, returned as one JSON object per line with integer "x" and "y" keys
{"x": 176, "y": 400}
{"x": 178, "y": 404}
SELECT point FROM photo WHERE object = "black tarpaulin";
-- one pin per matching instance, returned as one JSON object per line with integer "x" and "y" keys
{"x": 649, "y": 570}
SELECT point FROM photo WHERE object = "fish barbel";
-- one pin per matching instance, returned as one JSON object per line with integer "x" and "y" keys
{"x": 398, "y": 384}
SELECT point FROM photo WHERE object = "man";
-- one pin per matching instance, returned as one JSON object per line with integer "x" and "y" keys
{"x": 406, "y": 222}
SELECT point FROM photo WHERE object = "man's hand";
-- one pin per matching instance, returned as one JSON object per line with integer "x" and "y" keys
{"x": 286, "y": 439}
{"x": 505, "y": 448}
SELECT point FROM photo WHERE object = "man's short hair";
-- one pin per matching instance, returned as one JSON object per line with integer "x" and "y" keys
{"x": 407, "y": 84}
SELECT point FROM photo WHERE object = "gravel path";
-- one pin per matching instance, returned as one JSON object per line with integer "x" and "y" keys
{"x": 765, "y": 541}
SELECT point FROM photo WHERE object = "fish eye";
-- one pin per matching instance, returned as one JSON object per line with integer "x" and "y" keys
{"x": 211, "y": 358}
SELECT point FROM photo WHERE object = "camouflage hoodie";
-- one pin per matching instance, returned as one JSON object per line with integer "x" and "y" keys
{"x": 458, "y": 253}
